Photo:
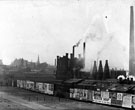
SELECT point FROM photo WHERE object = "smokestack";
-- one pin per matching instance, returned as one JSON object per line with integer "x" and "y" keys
{"x": 84, "y": 49}
{"x": 55, "y": 62}
{"x": 106, "y": 74}
{"x": 67, "y": 55}
{"x": 131, "y": 44}
{"x": 73, "y": 51}
{"x": 94, "y": 72}
{"x": 100, "y": 71}
{"x": 71, "y": 62}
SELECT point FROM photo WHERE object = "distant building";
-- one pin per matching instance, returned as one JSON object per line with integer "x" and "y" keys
{"x": 19, "y": 63}
{"x": 26, "y": 66}
{"x": 68, "y": 68}
{"x": 114, "y": 73}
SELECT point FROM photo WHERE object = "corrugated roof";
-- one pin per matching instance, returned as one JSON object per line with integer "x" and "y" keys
{"x": 72, "y": 81}
{"x": 120, "y": 87}
{"x": 87, "y": 82}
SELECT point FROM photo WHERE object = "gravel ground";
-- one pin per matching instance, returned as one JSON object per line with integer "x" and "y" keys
{"x": 20, "y": 99}
{"x": 6, "y": 104}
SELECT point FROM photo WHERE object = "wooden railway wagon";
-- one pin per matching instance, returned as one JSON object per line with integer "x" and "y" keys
{"x": 46, "y": 88}
{"x": 108, "y": 93}
{"x": 30, "y": 85}
{"x": 41, "y": 87}
{"x": 38, "y": 82}
{"x": 21, "y": 84}
{"x": 63, "y": 89}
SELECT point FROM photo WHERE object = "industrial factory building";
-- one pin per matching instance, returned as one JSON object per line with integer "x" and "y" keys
{"x": 102, "y": 85}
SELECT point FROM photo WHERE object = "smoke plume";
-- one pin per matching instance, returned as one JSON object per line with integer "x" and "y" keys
{"x": 102, "y": 45}
{"x": 78, "y": 43}
{"x": 110, "y": 38}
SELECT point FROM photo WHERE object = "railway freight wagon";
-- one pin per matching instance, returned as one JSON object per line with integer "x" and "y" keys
{"x": 81, "y": 94}
{"x": 109, "y": 94}
{"x": 41, "y": 87}
{"x": 30, "y": 85}
{"x": 62, "y": 90}
{"x": 18, "y": 83}
{"x": 21, "y": 83}
{"x": 115, "y": 98}
{"x": 118, "y": 99}
{"x": 45, "y": 88}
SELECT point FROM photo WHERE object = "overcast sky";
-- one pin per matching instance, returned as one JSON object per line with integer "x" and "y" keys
{"x": 51, "y": 27}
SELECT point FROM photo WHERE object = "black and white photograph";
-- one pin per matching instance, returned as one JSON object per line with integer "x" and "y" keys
{"x": 67, "y": 54}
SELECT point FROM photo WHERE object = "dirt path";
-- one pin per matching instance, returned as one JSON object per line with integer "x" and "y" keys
{"x": 23, "y": 102}
{"x": 36, "y": 101}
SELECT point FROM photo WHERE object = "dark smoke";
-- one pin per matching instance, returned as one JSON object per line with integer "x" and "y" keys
{"x": 78, "y": 43}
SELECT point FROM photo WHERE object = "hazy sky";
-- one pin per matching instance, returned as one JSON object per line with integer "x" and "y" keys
{"x": 51, "y": 27}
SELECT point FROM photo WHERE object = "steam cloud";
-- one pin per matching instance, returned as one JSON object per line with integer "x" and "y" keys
{"x": 103, "y": 45}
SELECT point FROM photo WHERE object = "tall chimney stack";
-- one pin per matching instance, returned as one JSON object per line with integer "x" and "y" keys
{"x": 84, "y": 49}
{"x": 73, "y": 51}
{"x": 131, "y": 44}
{"x": 106, "y": 74}
{"x": 100, "y": 71}
{"x": 55, "y": 64}
{"x": 94, "y": 72}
